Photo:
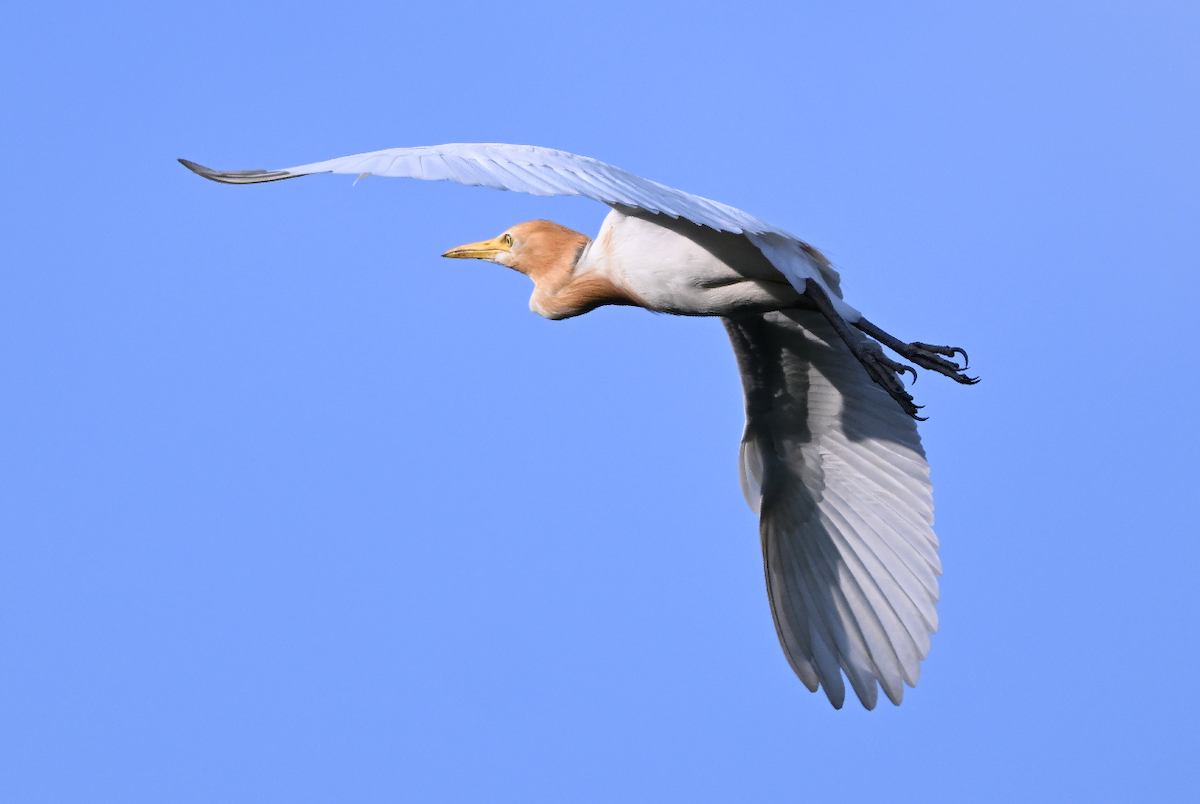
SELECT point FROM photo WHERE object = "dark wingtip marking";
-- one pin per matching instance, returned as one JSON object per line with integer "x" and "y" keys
{"x": 237, "y": 176}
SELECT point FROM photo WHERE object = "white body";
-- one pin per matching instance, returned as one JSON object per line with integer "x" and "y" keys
{"x": 674, "y": 273}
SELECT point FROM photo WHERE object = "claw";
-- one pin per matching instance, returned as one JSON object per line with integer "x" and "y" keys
{"x": 945, "y": 351}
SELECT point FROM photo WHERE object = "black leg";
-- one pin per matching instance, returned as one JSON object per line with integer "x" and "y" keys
{"x": 882, "y": 370}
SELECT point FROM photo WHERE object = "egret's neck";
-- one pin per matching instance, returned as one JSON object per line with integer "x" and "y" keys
{"x": 568, "y": 283}
{"x": 552, "y": 268}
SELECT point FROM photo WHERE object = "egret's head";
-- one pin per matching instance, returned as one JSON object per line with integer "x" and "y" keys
{"x": 534, "y": 248}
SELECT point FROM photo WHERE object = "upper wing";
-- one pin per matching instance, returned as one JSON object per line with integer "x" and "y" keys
{"x": 544, "y": 171}
{"x": 523, "y": 168}
{"x": 838, "y": 475}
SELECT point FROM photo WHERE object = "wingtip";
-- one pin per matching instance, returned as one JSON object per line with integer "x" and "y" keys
{"x": 195, "y": 168}
{"x": 236, "y": 176}
{"x": 201, "y": 170}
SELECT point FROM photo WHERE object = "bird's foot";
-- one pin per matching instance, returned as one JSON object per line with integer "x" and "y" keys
{"x": 924, "y": 355}
{"x": 934, "y": 358}
{"x": 887, "y": 373}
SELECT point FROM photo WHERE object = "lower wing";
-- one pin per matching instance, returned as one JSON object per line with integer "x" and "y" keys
{"x": 837, "y": 473}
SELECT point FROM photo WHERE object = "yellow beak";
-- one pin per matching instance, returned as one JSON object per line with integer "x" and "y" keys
{"x": 483, "y": 250}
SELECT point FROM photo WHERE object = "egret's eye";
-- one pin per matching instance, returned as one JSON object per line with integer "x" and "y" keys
{"x": 508, "y": 240}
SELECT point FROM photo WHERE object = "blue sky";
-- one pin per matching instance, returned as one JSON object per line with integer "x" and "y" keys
{"x": 295, "y": 510}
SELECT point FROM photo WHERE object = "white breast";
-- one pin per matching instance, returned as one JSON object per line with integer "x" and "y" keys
{"x": 681, "y": 271}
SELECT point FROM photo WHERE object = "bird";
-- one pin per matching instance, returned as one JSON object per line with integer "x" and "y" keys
{"x": 830, "y": 458}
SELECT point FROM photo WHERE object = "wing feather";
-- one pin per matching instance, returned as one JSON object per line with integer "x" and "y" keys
{"x": 890, "y": 598}
{"x": 839, "y": 478}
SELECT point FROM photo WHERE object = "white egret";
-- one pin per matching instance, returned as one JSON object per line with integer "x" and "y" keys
{"x": 833, "y": 466}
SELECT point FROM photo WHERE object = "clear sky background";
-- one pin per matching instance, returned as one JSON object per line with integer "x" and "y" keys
{"x": 294, "y": 510}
